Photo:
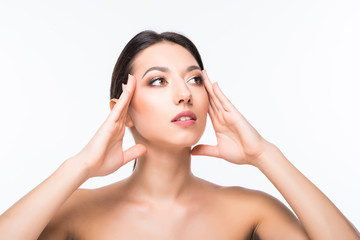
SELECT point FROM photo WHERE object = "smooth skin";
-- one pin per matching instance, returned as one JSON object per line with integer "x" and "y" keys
{"x": 162, "y": 199}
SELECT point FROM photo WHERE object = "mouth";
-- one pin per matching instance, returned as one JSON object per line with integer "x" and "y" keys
{"x": 185, "y": 118}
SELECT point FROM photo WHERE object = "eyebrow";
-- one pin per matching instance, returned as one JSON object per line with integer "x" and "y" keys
{"x": 165, "y": 69}
{"x": 161, "y": 69}
{"x": 193, "y": 67}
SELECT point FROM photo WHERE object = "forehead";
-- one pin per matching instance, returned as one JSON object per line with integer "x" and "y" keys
{"x": 164, "y": 54}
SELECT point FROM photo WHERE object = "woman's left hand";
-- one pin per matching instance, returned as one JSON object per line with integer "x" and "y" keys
{"x": 237, "y": 141}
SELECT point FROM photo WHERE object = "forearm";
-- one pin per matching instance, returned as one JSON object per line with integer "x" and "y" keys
{"x": 29, "y": 216}
{"x": 318, "y": 215}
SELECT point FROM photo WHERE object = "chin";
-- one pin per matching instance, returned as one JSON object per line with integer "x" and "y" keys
{"x": 185, "y": 140}
{"x": 176, "y": 141}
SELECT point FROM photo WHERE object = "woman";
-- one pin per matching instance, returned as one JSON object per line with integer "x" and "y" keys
{"x": 165, "y": 102}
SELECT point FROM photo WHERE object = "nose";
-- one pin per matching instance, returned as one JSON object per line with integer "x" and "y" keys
{"x": 182, "y": 94}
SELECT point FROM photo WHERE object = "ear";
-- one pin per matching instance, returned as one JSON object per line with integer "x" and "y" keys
{"x": 128, "y": 122}
{"x": 113, "y": 102}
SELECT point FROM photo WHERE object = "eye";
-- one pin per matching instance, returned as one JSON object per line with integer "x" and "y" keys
{"x": 158, "y": 81}
{"x": 196, "y": 80}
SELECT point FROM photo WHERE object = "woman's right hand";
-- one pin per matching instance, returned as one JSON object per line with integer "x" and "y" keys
{"x": 104, "y": 153}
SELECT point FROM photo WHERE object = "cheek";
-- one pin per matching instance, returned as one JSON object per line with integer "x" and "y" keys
{"x": 201, "y": 107}
{"x": 147, "y": 112}
{"x": 203, "y": 102}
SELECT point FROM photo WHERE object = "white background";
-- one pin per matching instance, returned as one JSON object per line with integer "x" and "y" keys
{"x": 290, "y": 67}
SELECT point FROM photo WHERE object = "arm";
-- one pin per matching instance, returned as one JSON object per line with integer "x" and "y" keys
{"x": 28, "y": 217}
{"x": 238, "y": 142}
{"x": 103, "y": 155}
{"x": 319, "y": 216}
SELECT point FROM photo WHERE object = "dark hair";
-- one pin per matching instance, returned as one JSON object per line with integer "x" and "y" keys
{"x": 141, "y": 41}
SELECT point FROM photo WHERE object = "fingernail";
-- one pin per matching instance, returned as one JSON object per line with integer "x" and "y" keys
{"x": 123, "y": 85}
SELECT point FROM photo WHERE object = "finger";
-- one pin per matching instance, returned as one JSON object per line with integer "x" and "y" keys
{"x": 131, "y": 84}
{"x": 211, "y": 111}
{"x": 215, "y": 117}
{"x": 128, "y": 91}
{"x": 121, "y": 106}
{"x": 209, "y": 88}
{"x": 205, "y": 150}
{"x": 225, "y": 102}
{"x": 134, "y": 152}
{"x": 212, "y": 103}
{"x": 207, "y": 83}
{"x": 215, "y": 114}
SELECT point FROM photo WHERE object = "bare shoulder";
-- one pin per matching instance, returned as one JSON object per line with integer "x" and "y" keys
{"x": 242, "y": 205}
{"x": 238, "y": 196}
{"x": 256, "y": 213}
{"x": 258, "y": 202}
{"x": 271, "y": 218}
{"x": 249, "y": 198}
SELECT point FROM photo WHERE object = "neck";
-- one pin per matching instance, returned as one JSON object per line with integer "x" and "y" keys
{"x": 162, "y": 174}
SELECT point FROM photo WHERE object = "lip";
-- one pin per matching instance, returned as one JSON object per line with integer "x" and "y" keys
{"x": 185, "y": 122}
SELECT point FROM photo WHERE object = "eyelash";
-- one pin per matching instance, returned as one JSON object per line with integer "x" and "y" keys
{"x": 198, "y": 78}
{"x": 150, "y": 83}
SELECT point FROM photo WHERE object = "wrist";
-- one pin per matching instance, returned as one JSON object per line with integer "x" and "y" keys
{"x": 77, "y": 166}
{"x": 269, "y": 153}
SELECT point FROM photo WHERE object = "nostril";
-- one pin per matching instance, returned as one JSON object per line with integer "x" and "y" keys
{"x": 184, "y": 98}
{"x": 188, "y": 101}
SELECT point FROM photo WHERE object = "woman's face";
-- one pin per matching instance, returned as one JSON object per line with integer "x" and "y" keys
{"x": 169, "y": 82}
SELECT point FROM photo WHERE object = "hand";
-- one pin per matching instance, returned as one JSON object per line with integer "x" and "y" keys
{"x": 104, "y": 153}
{"x": 237, "y": 141}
